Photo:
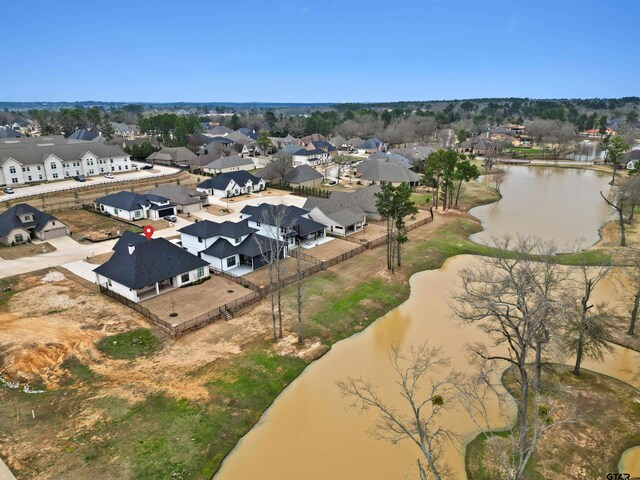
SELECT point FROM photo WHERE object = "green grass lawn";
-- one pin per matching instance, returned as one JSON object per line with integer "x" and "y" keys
{"x": 129, "y": 345}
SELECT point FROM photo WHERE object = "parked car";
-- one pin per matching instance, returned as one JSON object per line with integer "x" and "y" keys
{"x": 8, "y": 190}
{"x": 80, "y": 178}
{"x": 171, "y": 218}
{"x": 146, "y": 167}
{"x": 109, "y": 176}
{"x": 332, "y": 183}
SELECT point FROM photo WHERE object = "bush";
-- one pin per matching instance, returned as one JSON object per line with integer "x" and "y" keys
{"x": 129, "y": 345}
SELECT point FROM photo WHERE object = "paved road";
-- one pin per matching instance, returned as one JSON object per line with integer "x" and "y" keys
{"x": 53, "y": 187}
{"x": 68, "y": 251}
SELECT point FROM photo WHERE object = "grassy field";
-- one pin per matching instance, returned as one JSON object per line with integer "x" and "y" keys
{"x": 606, "y": 423}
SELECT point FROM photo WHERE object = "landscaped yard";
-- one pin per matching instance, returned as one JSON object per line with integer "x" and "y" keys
{"x": 85, "y": 223}
{"x": 25, "y": 250}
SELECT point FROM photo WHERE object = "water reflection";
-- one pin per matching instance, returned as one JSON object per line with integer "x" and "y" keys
{"x": 559, "y": 204}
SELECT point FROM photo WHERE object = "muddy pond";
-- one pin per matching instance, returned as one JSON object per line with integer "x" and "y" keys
{"x": 310, "y": 433}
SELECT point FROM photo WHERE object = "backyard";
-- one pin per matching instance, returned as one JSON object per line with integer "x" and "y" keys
{"x": 25, "y": 250}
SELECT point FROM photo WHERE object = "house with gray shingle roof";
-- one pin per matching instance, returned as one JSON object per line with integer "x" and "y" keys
{"x": 313, "y": 157}
{"x": 22, "y": 222}
{"x": 172, "y": 156}
{"x": 303, "y": 176}
{"x": 140, "y": 269}
{"x": 229, "y": 164}
{"x": 386, "y": 171}
{"x": 185, "y": 199}
{"x": 339, "y": 214}
{"x": 134, "y": 206}
{"x": 232, "y": 247}
{"x": 370, "y": 145}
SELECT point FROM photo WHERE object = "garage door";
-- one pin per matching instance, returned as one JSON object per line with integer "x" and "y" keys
{"x": 54, "y": 233}
{"x": 165, "y": 211}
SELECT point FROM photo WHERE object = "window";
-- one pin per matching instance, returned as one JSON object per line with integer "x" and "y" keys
{"x": 238, "y": 240}
{"x": 39, "y": 177}
{"x": 53, "y": 166}
{"x": 25, "y": 169}
{"x": 91, "y": 172}
{"x": 14, "y": 180}
{"x": 137, "y": 214}
{"x": 29, "y": 178}
{"x": 18, "y": 238}
{"x": 109, "y": 282}
{"x": 38, "y": 167}
{"x": 257, "y": 224}
{"x": 231, "y": 261}
{"x": 54, "y": 175}
{"x": 12, "y": 169}
{"x": 200, "y": 272}
{"x": 184, "y": 278}
{"x": 199, "y": 240}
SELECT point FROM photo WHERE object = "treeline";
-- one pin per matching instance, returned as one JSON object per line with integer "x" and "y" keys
{"x": 169, "y": 128}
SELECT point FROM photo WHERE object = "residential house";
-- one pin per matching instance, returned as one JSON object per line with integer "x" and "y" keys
{"x": 288, "y": 224}
{"x": 185, "y": 199}
{"x": 220, "y": 130}
{"x": 9, "y": 132}
{"x": 312, "y": 157}
{"x": 231, "y": 184}
{"x": 387, "y": 171}
{"x": 85, "y": 136}
{"x": 249, "y": 132}
{"x": 631, "y": 158}
{"x": 340, "y": 143}
{"x": 354, "y": 143}
{"x": 415, "y": 153}
{"x": 232, "y": 247}
{"x": 135, "y": 206}
{"x": 390, "y": 157}
{"x": 324, "y": 146}
{"x": 174, "y": 156}
{"x": 475, "y": 145}
{"x": 123, "y": 130}
{"x": 36, "y": 159}
{"x": 140, "y": 269}
{"x": 370, "y": 145}
{"x": 229, "y": 164}
{"x": 595, "y": 133}
{"x": 303, "y": 176}
{"x": 22, "y": 222}
{"x": 338, "y": 213}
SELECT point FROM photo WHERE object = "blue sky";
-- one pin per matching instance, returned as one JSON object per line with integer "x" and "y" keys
{"x": 317, "y": 51}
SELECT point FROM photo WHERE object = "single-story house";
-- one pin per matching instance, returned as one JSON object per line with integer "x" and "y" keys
{"x": 134, "y": 206}
{"x": 232, "y": 247}
{"x": 231, "y": 184}
{"x": 342, "y": 218}
{"x": 229, "y": 164}
{"x": 303, "y": 176}
{"x": 172, "y": 156}
{"x": 289, "y": 224}
{"x": 185, "y": 199}
{"x": 475, "y": 145}
{"x": 387, "y": 171}
{"x": 141, "y": 268}
{"x": 22, "y": 222}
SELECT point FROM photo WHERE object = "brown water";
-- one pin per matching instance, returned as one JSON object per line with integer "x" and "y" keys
{"x": 630, "y": 462}
{"x": 309, "y": 433}
{"x": 561, "y": 204}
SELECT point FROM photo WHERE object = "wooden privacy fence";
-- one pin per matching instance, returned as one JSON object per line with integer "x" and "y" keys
{"x": 175, "y": 330}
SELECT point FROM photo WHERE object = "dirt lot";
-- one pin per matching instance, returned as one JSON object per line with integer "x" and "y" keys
{"x": 331, "y": 249}
{"x": 196, "y": 300}
{"x": 25, "y": 250}
{"x": 287, "y": 265}
{"x": 82, "y": 223}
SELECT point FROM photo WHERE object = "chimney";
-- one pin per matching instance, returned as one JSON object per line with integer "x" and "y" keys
{"x": 131, "y": 249}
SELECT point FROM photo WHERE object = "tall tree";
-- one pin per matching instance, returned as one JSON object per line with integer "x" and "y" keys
{"x": 106, "y": 129}
{"x": 234, "y": 123}
{"x": 465, "y": 172}
{"x": 509, "y": 297}
{"x": 617, "y": 148}
{"x": 415, "y": 372}
{"x": 394, "y": 204}
{"x": 264, "y": 142}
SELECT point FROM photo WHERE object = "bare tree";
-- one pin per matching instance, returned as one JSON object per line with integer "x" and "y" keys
{"x": 480, "y": 393}
{"x": 511, "y": 297}
{"x": 415, "y": 372}
{"x": 632, "y": 286}
{"x": 617, "y": 203}
{"x": 584, "y": 330}
{"x": 273, "y": 247}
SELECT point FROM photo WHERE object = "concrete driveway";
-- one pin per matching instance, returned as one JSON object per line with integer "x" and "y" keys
{"x": 69, "y": 251}
{"x": 71, "y": 184}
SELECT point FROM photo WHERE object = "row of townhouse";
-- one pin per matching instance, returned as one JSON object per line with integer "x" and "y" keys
{"x": 40, "y": 159}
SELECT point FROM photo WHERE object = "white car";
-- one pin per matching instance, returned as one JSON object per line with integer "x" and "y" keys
{"x": 109, "y": 176}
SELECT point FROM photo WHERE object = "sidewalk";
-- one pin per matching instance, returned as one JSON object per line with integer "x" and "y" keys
{"x": 5, "y": 473}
